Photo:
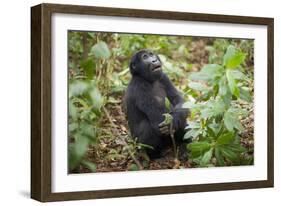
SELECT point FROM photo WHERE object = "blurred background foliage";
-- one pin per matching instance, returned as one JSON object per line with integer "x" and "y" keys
{"x": 214, "y": 75}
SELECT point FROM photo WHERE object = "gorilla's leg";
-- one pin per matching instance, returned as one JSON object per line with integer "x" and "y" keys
{"x": 182, "y": 143}
{"x": 146, "y": 135}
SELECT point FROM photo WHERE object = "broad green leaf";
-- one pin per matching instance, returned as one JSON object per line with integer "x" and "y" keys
{"x": 245, "y": 95}
{"x": 193, "y": 133}
{"x": 198, "y": 86}
{"x": 77, "y": 150}
{"x": 232, "y": 121}
{"x": 216, "y": 128}
{"x": 226, "y": 138}
{"x": 80, "y": 145}
{"x": 193, "y": 125}
{"x": 232, "y": 83}
{"x": 168, "y": 118}
{"x": 238, "y": 111}
{"x": 213, "y": 108}
{"x": 88, "y": 130}
{"x": 229, "y": 154}
{"x": 238, "y": 74}
{"x": 72, "y": 110}
{"x": 212, "y": 70}
{"x": 223, "y": 87}
{"x": 237, "y": 148}
{"x": 73, "y": 126}
{"x": 199, "y": 146}
{"x": 208, "y": 72}
{"x": 133, "y": 167}
{"x": 233, "y": 58}
{"x": 191, "y": 105}
{"x": 206, "y": 157}
{"x": 91, "y": 166}
{"x": 77, "y": 88}
{"x": 219, "y": 157}
{"x": 167, "y": 104}
{"x": 88, "y": 67}
{"x": 97, "y": 98}
{"x": 100, "y": 50}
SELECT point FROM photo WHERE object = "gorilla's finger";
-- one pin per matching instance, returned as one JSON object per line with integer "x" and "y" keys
{"x": 162, "y": 124}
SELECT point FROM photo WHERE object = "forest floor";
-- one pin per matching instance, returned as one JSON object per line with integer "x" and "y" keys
{"x": 109, "y": 154}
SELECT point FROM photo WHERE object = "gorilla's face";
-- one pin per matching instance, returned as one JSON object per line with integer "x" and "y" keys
{"x": 147, "y": 65}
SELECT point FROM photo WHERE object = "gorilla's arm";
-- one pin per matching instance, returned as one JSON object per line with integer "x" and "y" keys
{"x": 179, "y": 114}
{"x": 172, "y": 93}
{"x": 145, "y": 102}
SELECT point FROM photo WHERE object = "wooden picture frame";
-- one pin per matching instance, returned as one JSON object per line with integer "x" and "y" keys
{"x": 41, "y": 95}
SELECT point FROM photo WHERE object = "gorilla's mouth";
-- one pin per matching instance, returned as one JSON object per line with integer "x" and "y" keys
{"x": 156, "y": 68}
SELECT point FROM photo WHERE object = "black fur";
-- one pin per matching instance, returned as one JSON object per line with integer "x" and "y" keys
{"x": 145, "y": 103}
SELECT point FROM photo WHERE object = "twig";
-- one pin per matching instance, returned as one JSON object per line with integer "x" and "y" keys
{"x": 117, "y": 131}
{"x": 173, "y": 141}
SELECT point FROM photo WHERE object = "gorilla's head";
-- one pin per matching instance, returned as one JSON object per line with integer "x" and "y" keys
{"x": 146, "y": 64}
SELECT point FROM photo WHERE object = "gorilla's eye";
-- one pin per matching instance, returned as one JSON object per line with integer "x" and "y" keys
{"x": 150, "y": 54}
{"x": 145, "y": 56}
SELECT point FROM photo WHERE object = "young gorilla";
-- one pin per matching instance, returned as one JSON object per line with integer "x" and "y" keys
{"x": 145, "y": 104}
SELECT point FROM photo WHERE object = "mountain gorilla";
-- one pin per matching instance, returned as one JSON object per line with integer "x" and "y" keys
{"x": 145, "y": 104}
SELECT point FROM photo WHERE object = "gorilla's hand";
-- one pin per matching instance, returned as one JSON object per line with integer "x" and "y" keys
{"x": 179, "y": 118}
{"x": 165, "y": 127}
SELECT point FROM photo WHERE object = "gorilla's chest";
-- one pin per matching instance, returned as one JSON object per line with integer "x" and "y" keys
{"x": 159, "y": 93}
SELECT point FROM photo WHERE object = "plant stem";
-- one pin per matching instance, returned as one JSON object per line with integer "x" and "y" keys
{"x": 173, "y": 141}
{"x": 117, "y": 131}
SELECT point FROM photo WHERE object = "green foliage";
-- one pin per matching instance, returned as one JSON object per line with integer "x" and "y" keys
{"x": 99, "y": 74}
{"x": 85, "y": 103}
{"x": 216, "y": 128}
{"x": 100, "y": 50}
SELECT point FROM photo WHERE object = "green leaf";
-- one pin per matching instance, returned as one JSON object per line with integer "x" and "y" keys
{"x": 77, "y": 88}
{"x": 72, "y": 110}
{"x": 193, "y": 133}
{"x": 167, "y": 104}
{"x": 232, "y": 84}
{"x": 97, "y": 98}
{"x": 215, "y": 128}
{"x": 88, "y": 67}
{"x": 245, "y": 95}
{"x": 91, "y": 166}
{"x": 237, "y": 148}
{"x": 73, "y": 126}
{"x": 198, "y": 86}
{"x": 226, "y": 138}
{"x": 219, "y": 157}
{"x": 231, "y": 121}
{"x": 238, "y": 74}
{"x": 193, "y": 125}
{"x": 229, "y": 154}
{"x": 233, "y": 58}
{"x": 80, "y": 145}
{"x": 200, "y": 147}
{"x": 213, "y": 108}
{"x": 168, "y": 118}
{"x": 77, "y": 150}
{"x": 191, "y": 105}
{"x": 100, "y": 50}
{"x": 223, "y": 87}
{"x": 208, "y": 72}
{"x": 206, "y": 157}
{"x": 133, "y": 167}
{"x": 88, "y": 130}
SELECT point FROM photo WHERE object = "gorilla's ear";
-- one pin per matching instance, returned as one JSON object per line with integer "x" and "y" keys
{"x": 133, "y": 67}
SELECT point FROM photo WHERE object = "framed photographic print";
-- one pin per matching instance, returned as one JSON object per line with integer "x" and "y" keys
{"x": 132, "y": 102}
